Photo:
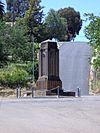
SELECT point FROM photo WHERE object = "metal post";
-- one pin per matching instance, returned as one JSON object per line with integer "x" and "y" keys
{"x": 32, "y": 92}
{"x": 33, "y": 57}
{"x": 58, "y": 91}
{"x": 13, "y": 15}
{"x": 78, "y": 92}
{"x": 17, "y": 92}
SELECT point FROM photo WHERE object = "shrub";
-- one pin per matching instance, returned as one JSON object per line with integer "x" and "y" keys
{"x": 13, "y": 76}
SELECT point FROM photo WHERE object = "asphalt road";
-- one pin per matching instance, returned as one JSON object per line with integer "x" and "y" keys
{"x": 50, "y": 115}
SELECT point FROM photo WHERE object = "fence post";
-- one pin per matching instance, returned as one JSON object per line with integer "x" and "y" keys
{"x": 18, "y": 91}
{"x": 79, "y": 92}
{"x": 58, "y": 91}
{"x": 17, "y": 94}
{"x": 32, "y": 92}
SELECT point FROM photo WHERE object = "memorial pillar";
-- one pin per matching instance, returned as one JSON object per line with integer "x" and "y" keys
{"x": 48, "y": 66}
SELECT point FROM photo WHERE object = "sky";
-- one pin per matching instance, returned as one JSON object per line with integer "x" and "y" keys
{"x": 83, "y": 6}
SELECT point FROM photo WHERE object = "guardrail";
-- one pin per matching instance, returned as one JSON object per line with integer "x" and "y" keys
{"x": 32, "y": 91}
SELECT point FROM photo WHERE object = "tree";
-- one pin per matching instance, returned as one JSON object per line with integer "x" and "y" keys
{"x": 92, "y": 32}
{"x": 16, "y": 9}
{"x": 14, "y": 42}
{"x": 16, "y": 47}
{"x": 32, "y": 13}
{"x": 3, "y": 53}
{"x": 56, "y": 26}
{"x": 1, "y": 9}
{"x": 33, "y": 18}
{"x": 74, "y": 22}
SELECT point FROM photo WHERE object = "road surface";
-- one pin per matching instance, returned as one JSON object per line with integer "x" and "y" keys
{"x": 50, "y": 115}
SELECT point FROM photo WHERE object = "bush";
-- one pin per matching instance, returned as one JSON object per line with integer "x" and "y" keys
{"x": 28, "y": 67}
{"x": 13, "y": 76}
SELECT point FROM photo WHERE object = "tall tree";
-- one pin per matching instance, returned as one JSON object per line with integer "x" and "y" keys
{"x": 33, "y": 18}
{"x": 16, "y": 9}
{"x": 32, "y": 13}
{"x": 3, "y": 53}
{"x": 74, "y": 22}
{"x": 56, "y": 26}
{"x": 1, "y": 9}
{"x": 92, "y": 32}
{"x": 15, "y": 43}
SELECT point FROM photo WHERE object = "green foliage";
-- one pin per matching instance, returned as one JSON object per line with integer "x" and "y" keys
{"x": 63, "y": 24}
{"x": 92, "y": 32}
{"x": 13, "y": 76}
{"x": 3, "y": 48}
{"x": 56, "y": 26}
{"x": 15, "y": 43}
{"x": 32, "y": 13}
{"x": 33, "y": 18}
{"x": 29, "y": 69}
{"x": 16, "y": 46}
{"x": 20, "y": 46}
{"x": 16, "y": 9}
{"x": 28, "y": 65}
{"x": 74, "y": 21}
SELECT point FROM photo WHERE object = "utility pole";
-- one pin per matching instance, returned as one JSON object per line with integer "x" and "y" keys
{"x": 33, "y": 57}
{"x": 32, "y": 39}
{"x": 13, "y": 15}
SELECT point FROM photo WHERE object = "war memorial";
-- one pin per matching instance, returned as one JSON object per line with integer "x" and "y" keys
{"x": 67, "y": 68}
{"x": 48, "y": 67}
{"x": 64, "y": 69}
